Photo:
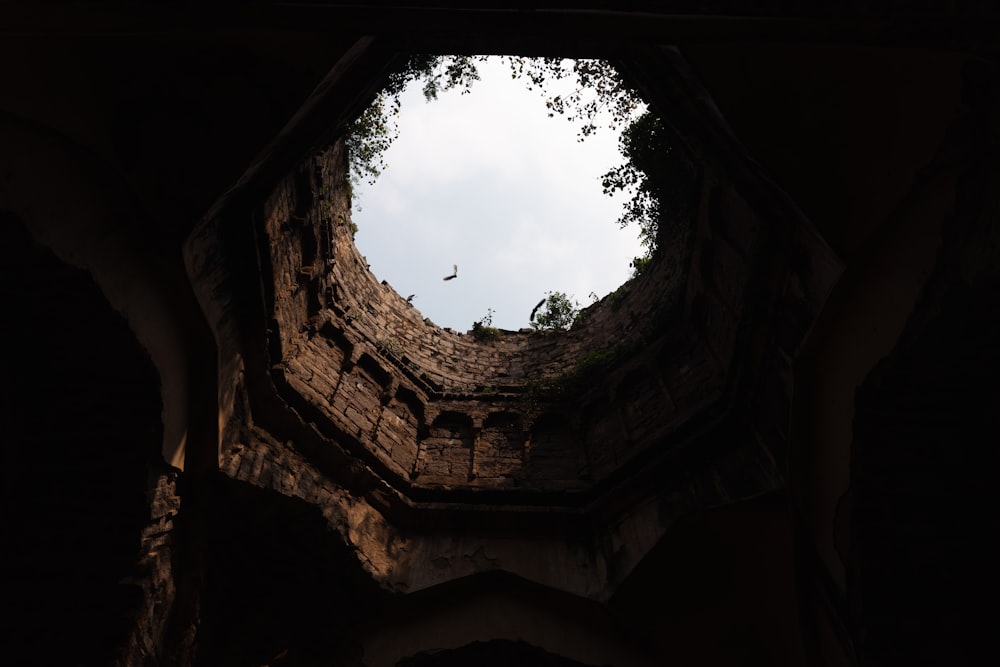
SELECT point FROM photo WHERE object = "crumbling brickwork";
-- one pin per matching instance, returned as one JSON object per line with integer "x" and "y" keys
{"x": 427, "y": 401}
{"x": 773, "y": 448}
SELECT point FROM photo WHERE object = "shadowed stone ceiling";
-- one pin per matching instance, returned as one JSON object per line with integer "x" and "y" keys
{"x": 562, "y": 434}
{"x": 341, "y": 482}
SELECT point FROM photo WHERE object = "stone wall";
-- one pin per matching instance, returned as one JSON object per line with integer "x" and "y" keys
{"x": 155, "y": 574}
{"x": 441, "y": 409}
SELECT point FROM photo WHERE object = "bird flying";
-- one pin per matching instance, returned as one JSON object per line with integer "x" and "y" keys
{"x": 409, "y": 299}
{"x": 454, "y": 274}
{"x": 535, "y": 310}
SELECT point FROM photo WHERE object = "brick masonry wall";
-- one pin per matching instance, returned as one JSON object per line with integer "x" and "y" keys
{"x": 444, "y": 409}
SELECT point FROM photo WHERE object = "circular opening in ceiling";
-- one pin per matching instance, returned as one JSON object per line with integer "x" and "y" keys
{"x": 498, "y": 184}
{"x": 443, "y": 411}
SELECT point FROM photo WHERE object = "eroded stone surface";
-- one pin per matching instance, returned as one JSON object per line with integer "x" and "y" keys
{"x": 443, "y": 409}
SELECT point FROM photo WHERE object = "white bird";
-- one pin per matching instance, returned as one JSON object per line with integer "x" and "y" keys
{"x": 453, "y": 275}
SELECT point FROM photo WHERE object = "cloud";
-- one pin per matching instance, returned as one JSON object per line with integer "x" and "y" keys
{"x": 488, "y": 181}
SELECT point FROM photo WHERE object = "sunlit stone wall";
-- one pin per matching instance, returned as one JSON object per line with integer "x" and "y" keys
{"x": 537, "y": 411}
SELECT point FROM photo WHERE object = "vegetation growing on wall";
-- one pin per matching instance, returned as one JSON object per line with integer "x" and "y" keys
{"x": 598, "y": 89}
{"x": 579, "y": 379}
{"x": 558, "y": 313}
{"x": 372, "y": 133}
{"x": 483, "y": 329}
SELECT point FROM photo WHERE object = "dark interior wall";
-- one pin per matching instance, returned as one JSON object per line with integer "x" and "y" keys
{"x": 843, "y": 129}
{"x": 921, "y": 548}
{"x": 176, "y": 115}
{"x": 280, "y": 587}
{"x": 904, "y": 268}
{"x": 719, "y": 589}
{"x": 898, "y": 497}
{"x": 81, "y": 431}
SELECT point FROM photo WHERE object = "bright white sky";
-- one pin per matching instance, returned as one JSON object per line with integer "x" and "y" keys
{"x": 489, "y": 182}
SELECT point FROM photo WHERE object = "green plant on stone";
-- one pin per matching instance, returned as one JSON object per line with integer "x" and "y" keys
{"x": 580, "y": 378}
{"x": 652, "y": 173}
{"x": 390, "y": 346}
{"x": 639, "y": 264}
{"x": 369, "y": 136}
{"x": 618, "y": 296}
{"x": 595, "y": 360}
{"x": 483, "y": 329}
{"x": 559, "y": 313}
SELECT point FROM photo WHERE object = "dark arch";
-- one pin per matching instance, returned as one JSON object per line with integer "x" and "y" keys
{"x": 556, "y": 450}
{"x": 494, "y": 653}
{"x": 496, "y": 618}
{"x": 82, "y": 428}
